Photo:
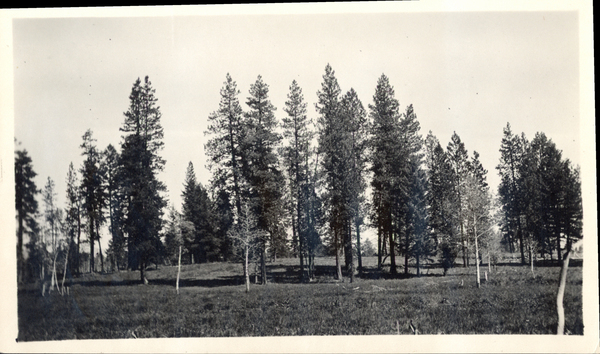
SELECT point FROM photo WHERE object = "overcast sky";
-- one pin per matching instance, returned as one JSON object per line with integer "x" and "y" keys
{"x": 465, "y": 72}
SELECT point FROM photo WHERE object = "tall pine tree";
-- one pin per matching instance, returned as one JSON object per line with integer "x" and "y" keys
{"x": 25, "y": 204}
{"x": 296, "y": 154}
{"x": 224, "y": 145}
{"x": 386, "y": 166}
{"x": 141, "y": 163}
{"x": 261, "y": 170}
{"x": 92, "y": 192}
{"x": 334, "y": 149}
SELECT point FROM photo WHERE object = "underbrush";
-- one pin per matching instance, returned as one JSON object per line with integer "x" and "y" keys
{"x": 212, "y": 303}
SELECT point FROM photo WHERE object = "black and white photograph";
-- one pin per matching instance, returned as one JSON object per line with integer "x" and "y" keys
{"x": 318, "y": 177}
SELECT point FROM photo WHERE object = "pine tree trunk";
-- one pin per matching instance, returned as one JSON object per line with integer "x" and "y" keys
{"x": 393, "y": 269}
{"x": 77, "y": 256}
{"x": 358, "y": 250}
{"x": 348, "y": 250}
{"x": 20, "y": 258}
{"x": 338, "y": 263}
{"x": 142, "y": 271}
{"x": 406, "y": 245}
{"x": 100, "y": 250}
{"x": 263, "y": 265}
{"x": 92, "y": 239}
{"x": 379, "y": 250}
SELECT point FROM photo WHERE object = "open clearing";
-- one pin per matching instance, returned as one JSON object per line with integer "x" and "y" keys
{"x": 212, "y": 303}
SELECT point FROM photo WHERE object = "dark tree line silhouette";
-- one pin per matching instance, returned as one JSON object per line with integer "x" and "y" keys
{"x": 323, "y": 180}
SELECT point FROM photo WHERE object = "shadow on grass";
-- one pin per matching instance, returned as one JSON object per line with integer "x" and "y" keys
{"x": 542, "y": 263}
{"x": 206, "y": 283}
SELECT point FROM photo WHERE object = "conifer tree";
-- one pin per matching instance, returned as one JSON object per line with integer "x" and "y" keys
{"x": 115, "y": 204}
{"x": 458, "y": 157}
{"x": 261, "y": 170}
{"x": 511, "y": 155}
{"x": 73, "y": 218}
{"x": 441, "y": 201}
{"x": 92, "y": 192}
{"x": 412, "y": 214}
{"x": 333, "y": 149}
{"x": 25, "y": 205}
{"x": 141, "y": 162}
{"x": 386, "y": 167}
{"x": 296, "y": 155}
{"x": 224, "y": 145}
{"x": 355, "y": 127}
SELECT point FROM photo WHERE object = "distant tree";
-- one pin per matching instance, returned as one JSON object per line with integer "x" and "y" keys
{"x": 53, "y": 218}
{"x": 115, "y": 201}
{"x": 511, "y": 156}
{"x": 92, "y": 191}
{"x": 223, "y": 213}
{"x": 458, "y": 158}
{"x": 422, "y": 245}
{"x": 177, "y": 229}
{"x": 141, "y": 163}
{"x": 296, "y": 154}
{"x": 262, "y": 172}
{"x": 355, "y": 124}
{"x": 570, "y": 211}
{"x": 191, "y": 213}
{"x": 173, "y": 238}
{"x": 550, "y": 206}
{"x": 413, "y": 216}
{"x": 334, "y": 150}
{"x": 440, "y": 198}
{"x": 387, "y": 157}
{"x": 197, "y": 209}
{"x": 368, "y": 250}
{"x": 50, "y": 212}
{"x": 315, "y": 218}
{"x": 223, "y": 147}
{"x": 25, "y": 205}
{"x": 73, "y": 218}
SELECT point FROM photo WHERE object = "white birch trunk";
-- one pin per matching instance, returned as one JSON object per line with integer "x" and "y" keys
{"x": 246, "y": 270}
{"x": 477, "y": 254}
{"x": 560, "y": 328}
{"x": 531, "y": 260}
{"x": 178, "y": 271}
{"x": 477, "y": 262}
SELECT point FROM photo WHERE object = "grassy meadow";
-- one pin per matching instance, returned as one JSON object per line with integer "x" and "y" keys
{"x": 212, "y": 303}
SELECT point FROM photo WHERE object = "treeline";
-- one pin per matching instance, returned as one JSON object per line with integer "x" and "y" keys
{"x": 306, "y": 178}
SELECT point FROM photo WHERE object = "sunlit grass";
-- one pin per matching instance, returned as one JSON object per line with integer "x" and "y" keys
{"x": 212, "y": 303}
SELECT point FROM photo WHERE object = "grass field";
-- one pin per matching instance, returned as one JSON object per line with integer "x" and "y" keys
{"x": 212, "y": 303}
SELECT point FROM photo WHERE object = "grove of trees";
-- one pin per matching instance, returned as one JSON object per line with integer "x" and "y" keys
{"x": 297, "y": 187}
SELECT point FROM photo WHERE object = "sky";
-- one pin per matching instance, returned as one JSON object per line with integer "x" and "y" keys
{"x": 464, "y": 72}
